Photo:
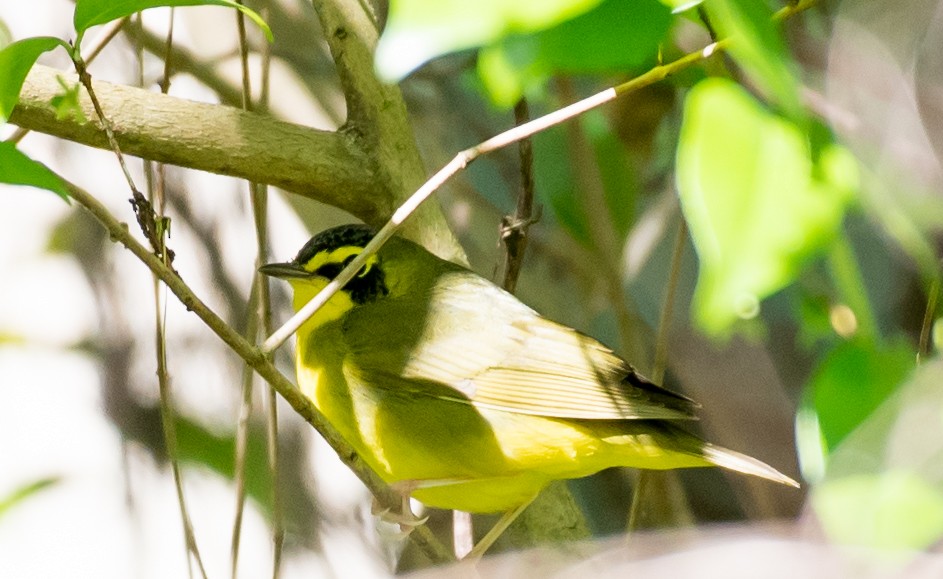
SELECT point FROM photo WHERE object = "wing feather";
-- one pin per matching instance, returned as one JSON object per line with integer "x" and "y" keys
{"x": 471, "y": 342}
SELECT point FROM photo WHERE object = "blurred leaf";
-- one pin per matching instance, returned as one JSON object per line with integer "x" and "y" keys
{"x": 884, "y": 487}
{"x": 555, "y": 185}
{"x": 759, "y": 48}
{"x": 813, "y": 312}
{"x": 617, "y": 36}
{"x": 21, "y": 494}
{"x": 757, "y": 204}
{"x": 5, "y": 36}
{"x": 852, "y": 381}
{"x": 509, "y": 71}
{"x": 18, "y": 169}
{"x": 15, "y": 61}
{"x": 90, "y": 13}
{"x": 9, "y": 338}
{"x": 619, "y": 181}
{"x": 419, "y": 30}
{"x": 197, "y": 445}
{"x": 66, "y": 103}
{"x": 895, "y": 510}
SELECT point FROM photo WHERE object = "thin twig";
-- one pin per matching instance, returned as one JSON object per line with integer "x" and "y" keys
{"x": 242, "y": 435}
{"x": 108, "y": 33}
{"x": 86, "y": 79}
{"x": 260, "y": 215}
{"x": 261, "y": 320}
{"x": 646, "y": 483}
{"x": 514, "y": 228}
{"x": 660, "y": 362}
{"x": 245, "y": 408}
{"x": 149, "y": 214}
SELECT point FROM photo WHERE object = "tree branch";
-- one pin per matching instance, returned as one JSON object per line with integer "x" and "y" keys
{"x": 378, "y": 120}
{"x": 322, "y": 165}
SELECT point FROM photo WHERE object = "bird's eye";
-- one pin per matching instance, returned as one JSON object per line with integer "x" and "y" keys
{"x": 329, "y": 270}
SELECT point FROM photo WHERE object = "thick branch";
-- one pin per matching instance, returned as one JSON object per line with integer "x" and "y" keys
{"x": 377, "y": 118}
{"x": 323, "y": 165}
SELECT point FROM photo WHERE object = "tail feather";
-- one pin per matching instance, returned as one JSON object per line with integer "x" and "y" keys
{"x": 733, "y": 460}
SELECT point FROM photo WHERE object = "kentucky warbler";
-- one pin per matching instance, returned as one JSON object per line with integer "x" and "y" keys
{"x": 445, "y": 382}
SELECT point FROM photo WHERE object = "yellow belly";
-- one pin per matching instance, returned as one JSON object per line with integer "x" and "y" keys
{"x": 476, "y": 459}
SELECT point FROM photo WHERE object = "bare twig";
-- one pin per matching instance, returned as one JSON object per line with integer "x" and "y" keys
{"x": 252, "y": 330}
{"x": 86, "y": 79}
{"x": 260, "y": 214}
{"x": 514, "y": 228}
{"x": 150, "y": 215}
{"x": 660, "y": 362}
{"x": 108, "y": 33}
{"x": 260, "y": 320}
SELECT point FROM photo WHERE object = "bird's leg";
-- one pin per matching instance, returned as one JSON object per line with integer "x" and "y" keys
{"x": 503, "y": 523}
{"x": 405, "y": 518}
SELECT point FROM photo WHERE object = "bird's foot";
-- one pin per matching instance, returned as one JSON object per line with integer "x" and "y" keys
{"x": 404, "y": 516}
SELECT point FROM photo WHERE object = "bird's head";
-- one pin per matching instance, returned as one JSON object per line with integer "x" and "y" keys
{"x": 322, "y": 258}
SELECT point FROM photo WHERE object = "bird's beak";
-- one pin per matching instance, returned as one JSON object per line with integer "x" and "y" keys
{"x": 288, "y": 270}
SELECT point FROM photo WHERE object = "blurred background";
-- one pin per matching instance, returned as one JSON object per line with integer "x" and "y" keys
{"x": 819, "y": 380}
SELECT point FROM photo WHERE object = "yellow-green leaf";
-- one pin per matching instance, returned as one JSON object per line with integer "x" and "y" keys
{"x": 90, "y": 13}
{"x": 757, "y": 202}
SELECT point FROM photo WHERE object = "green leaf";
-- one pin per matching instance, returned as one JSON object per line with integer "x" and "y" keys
{"x": 617, "y": 36}
{"x": 619, "y": 182}
{"x": 21, "y": 494}
{"x": 757, "y": 203}
{"x": 419, "y": 30}
{"x": 894, "y": 510}
{"x": 197, "y": 445}
{"x": 852, "y": 381}
{"x": 15, "y": 61}
{"x": 884, "y": 484}
{"x": 90, "y": 13}
{"x": 66, "y": 103}
{"x": 18, "y": 169}
{"x": 555, "y": 185}
{"x": 759, "y": 48}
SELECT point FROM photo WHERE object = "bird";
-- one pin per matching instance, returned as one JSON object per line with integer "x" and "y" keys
{"x": 452, "y": 387}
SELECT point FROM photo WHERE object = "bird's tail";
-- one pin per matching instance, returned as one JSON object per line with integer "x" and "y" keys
{"x": 735, "y": 461}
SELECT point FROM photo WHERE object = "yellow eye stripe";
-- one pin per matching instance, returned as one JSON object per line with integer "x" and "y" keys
{"x": 338, "y": 256}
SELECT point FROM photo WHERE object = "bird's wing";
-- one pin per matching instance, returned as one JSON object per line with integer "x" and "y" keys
{"x": 488, "y": 349}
